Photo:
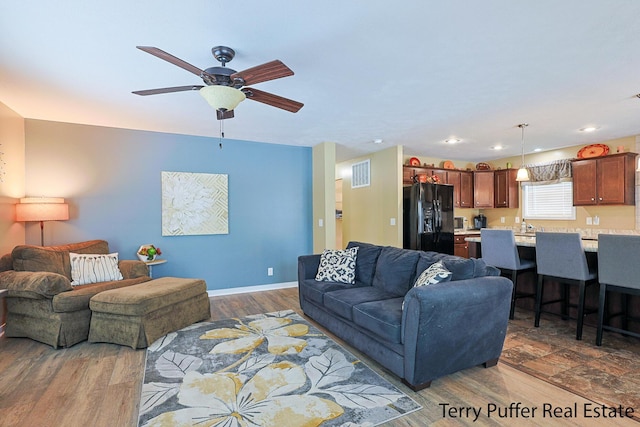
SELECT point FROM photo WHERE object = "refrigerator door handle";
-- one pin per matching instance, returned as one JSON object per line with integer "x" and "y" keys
{"x": 437, "y": 208}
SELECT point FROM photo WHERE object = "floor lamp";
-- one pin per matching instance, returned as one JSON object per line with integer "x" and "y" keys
{"x": 32, "y": 209}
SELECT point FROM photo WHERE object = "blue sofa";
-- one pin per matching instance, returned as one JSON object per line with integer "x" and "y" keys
{"x": 441, "y": 329}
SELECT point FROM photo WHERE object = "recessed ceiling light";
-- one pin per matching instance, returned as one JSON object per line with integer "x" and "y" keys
{"x": 377, "y": 141}
{"x": 451, "y": 140}
{"x": 536, "y": 150}
{"x": 588, "y": 129}
{"x": 497, "y": 147}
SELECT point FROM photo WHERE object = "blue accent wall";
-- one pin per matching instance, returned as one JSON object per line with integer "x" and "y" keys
{"x": 112, "y": 180}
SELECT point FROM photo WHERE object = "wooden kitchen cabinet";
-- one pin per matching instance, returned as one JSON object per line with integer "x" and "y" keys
{"x": 453, "y": 178}
{"x": 607, "y": 180}
{"x": 408, "y": 172}
{"x": 466, "y": 189}
{"x": 505, "y": 188}
{"x": 461, "y": 246}
{"x": 462, "y": 182}
{"x": 483, "y": 189}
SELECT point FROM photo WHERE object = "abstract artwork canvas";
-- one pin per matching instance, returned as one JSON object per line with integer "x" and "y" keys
{"x": 194, "y": 203}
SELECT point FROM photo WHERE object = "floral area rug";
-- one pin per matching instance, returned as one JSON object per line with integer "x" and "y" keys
{"x": 271, "y": 369}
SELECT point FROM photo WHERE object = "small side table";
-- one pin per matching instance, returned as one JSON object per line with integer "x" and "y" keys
{"x": 150, "y": 264}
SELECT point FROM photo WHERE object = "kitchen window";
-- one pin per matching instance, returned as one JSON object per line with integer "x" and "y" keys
{"x": 548, "y": 201}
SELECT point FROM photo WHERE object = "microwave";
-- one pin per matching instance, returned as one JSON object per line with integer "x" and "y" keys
{"x": 459, "y": 222}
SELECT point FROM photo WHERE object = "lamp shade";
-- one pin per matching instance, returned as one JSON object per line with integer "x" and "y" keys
{"x": 223, "y": 98}
{"x": 523, "y": 174}
{"x": 42, "y": 209}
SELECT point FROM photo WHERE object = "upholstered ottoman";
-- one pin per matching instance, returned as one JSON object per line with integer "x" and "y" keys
{"x": 138, "y": 315}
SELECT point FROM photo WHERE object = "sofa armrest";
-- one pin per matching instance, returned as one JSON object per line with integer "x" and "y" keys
{"x": 308, "y": 267}
{"x": 131, "y": 268}
{"x": 6, "y": 262}
{"x": 454, "y": 325}
{"x": 34, "y": 284}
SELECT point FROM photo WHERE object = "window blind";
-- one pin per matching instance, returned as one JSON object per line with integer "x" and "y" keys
{"x": 550, "y": 201}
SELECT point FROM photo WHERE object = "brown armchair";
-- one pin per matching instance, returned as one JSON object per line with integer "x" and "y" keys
{"x": 41, "y": 302}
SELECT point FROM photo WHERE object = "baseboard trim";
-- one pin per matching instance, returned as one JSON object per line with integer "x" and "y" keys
{"x": 250, "y": 289}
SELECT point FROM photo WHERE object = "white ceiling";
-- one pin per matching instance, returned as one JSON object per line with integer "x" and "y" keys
{"x": 409, "y": 72}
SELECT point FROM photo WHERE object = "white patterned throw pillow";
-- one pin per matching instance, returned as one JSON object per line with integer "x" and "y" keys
{"x": 94, "y": 268}
{"x": 436, "y": 273}
{"x": 338, "y": 266}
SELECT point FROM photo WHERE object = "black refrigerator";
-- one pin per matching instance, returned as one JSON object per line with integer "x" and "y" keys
{"x": 428, "y": 217}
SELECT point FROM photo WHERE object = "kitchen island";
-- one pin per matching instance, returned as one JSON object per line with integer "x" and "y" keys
{"x": 526, "y": 243}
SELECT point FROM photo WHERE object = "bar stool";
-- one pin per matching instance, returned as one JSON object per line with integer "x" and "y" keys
{"x": 561, "y": 257}
{"x": 499, "y": 250}
{"x": 619, "y": 271}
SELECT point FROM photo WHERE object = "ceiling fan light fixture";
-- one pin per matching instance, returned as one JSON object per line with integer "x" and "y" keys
{"x": 222, "y": 98}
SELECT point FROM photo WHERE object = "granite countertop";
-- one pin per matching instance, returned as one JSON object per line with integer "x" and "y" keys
{"x": 467, "y": 231}
{"x": 529, "y": 240}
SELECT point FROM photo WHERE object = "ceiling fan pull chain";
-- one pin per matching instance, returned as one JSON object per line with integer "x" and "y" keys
{"x": 221, "y": 132}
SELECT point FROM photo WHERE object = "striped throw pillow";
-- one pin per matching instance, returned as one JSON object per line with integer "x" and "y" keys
{"x": 93, "y": 268}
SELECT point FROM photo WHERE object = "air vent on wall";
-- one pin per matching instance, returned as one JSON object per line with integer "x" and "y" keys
{"x": 361, "y": 174}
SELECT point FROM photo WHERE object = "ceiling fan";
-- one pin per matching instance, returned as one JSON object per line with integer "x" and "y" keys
{"x": 224, "y": 87}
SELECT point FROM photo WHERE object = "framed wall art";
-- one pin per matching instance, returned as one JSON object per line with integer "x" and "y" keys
{"x": 194, "y": 203}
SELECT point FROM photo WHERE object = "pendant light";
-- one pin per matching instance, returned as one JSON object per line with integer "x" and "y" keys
{"x": 523, "y": 173}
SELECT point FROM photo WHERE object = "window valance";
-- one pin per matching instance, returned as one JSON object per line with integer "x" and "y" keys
{"x": 549, "y": 173}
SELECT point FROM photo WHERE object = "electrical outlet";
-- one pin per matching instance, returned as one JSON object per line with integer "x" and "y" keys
{"x": 517, "y": 220}
{"x": 502, "y": 220}
{"x": 596, "y": 220}
{"x": 392, "y": 221}
{"x": 321, "y": 222}
{"x": 270, "y": 271}
{"x": 589, "y": 220}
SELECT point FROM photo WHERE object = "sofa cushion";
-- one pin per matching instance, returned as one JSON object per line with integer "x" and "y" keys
{"x": 342, "y": 301}
{"x": 78, "y": 298}
{"x": 383, "y": 318}
{"x": 314, "y": 290}
{"x": 460, "y": 268}
{"x": 481, "y": 269}
{"x": 396, "y": 270}
{"x": 54, "y": 259}
{"x": 338, "y": 265}
{"x": 94, "y": 268}
{"x": 366, "y": 263}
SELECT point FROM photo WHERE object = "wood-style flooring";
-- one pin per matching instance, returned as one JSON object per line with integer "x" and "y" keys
{"x": 99, "y": 384}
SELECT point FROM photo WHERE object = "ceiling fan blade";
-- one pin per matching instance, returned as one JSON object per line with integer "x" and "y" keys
{"x": 167, "y": 90}
{"x": 223, "y": 115}
{"x": 262, "y": 73}
{"x": 273, "y": 100}
{"x": 172, "y": 59}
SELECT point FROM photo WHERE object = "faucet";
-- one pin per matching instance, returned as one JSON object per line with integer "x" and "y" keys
{"x": 531, "y": 227}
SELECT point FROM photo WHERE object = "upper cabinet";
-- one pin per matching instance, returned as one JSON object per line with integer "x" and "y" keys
{"x": 483, "y": 189}
{"x": 608, "y": 180}
{"x": 462, "y": 182}
{"x": 466, "y": 189}
{"x": 505, "y": 188}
